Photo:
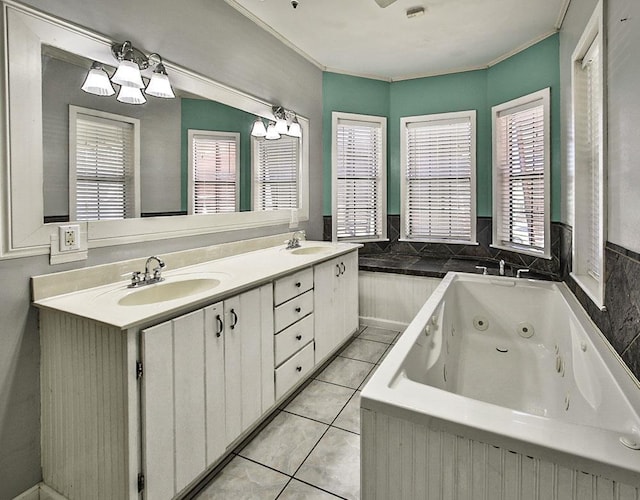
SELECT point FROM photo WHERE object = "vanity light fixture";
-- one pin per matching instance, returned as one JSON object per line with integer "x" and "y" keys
{"x": 294, "y": 129}
{"x": 272, "y": 133}
{"x": 258, "y": 129}
{"x": 97, "y": 81}
{"x": 128, "y": 76}
{"x": 283, "y": 118}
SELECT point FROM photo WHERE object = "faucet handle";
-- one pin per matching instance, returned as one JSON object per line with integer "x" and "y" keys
{"x": 484, "y": 269}
{"x": 520, "y": 271}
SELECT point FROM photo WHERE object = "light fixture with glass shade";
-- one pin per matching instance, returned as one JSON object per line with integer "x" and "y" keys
{"x": 97, "y": 81}
{"x": 281, "y": 120}
{"x": 258, "y": 129}
{"x": 294, "y": 129}
{"x": 131, "y": 95}
{"x": 272, "y": 133}
{"x": 128, "y": 75}
{"x": 159, "y": 85}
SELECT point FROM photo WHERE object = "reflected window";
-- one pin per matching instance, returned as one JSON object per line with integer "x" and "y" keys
{"x": 275, "y": 171}
{"x": 103, "y": 165}
{"x": 214, "y": 163}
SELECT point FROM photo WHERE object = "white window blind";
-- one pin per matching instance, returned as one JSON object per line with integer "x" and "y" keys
{"x": 438, "y": 191}
{"x": 591, "y": 65}
{"x": 276, "y": 167}
{"x": 214, "y": 169}
{"x": 521, "y": 159}
{"x": 359, "y": 158}
{"x": 103, "y": 167}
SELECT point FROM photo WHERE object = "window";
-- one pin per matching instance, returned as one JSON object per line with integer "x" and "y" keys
{"x": 359, "y": 165}
{"x": 214, "y": 162}
{"x": 438, "y": 156}
{"x": 521, "y": 158}
{"x": 276, "y": 166}
{"x": 104, "y": 161}
{"x": 588, "y": 154}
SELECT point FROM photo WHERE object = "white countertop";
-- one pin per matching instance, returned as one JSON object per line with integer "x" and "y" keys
{"x": 236, "y": 274}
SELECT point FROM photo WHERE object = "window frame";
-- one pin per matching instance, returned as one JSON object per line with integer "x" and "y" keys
{"x": 581, "y": 189}
{"x": 134, "y": 178}
{"x": 523, "y": 103}
{"x": 404, "y": 183}
{"x": 192, "y": 134}
{"x": 255, "y": 145}
{"x": 381, "y": 210}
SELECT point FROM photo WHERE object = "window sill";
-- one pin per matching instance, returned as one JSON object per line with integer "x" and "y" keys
{"x": 514, "y": 249}
{"x": 446, "y": 242}
{"x": 359, "y": 240}
{"x": 592, "y": 288}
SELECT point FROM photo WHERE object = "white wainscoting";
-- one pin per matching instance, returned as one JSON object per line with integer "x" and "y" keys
{"x": 392, "y": 300}
{"x": 404, "y": 460}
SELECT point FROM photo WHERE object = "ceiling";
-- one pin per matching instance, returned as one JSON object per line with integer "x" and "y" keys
{"x": 358, "y": 37}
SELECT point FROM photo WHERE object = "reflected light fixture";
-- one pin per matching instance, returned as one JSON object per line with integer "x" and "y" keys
{"x": 128, "y": 75}
{"x": 294, "y": 129}
{"x": 281, "y": 120}
{"x": 272, "y": 133}
{"x": 97, "y": 81}
{"x": 131, "y": 95}
{"x": 159, "y": 85}
{"x": 258, "y": 129}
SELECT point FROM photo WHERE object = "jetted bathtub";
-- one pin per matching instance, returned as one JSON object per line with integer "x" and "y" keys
{"x": 501, "y": 388}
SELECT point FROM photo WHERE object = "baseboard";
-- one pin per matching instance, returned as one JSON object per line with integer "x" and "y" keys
{"x": 40, "y": 492}
{"x": 397, "y": 326}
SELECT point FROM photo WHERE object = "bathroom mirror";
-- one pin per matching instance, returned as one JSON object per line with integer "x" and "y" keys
{"x": 25, "y": 232}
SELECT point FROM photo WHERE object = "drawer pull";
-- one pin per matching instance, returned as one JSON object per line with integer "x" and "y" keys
{"x": 298, "y": 309}
{"x": 337, "y": 270}
{"x": 298, "y": 337}
{"x": 298, "y": 284}
{"x": 344, "y": 268}
{"x": 235, "y": 319}
{"x": 298, "y": 368}
{"x": 220, "y": 325}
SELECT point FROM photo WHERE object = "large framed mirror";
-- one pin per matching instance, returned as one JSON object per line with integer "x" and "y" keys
{"x": 44, "y": 58}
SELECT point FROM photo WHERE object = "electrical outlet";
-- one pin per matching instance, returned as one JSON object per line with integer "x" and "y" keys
{"x": 69, "y": 237}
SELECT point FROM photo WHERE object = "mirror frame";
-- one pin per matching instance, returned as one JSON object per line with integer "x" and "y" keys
{"x": 23, "y": 230}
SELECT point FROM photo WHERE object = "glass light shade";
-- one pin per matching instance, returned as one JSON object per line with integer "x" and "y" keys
{"x": 131, "y": 95}
{"x": 128, "y": 75}
{"x": 281, "y": 126}
{"x": 97, "y": 82}
{"x": 295, "y": 130}
{"x": 159, "y": 86}
{"x": 272, "y": 133}
{"x": 258, "y": 129}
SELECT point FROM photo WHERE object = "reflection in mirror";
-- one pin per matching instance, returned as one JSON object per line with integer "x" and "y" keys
{"x": 162, "y": 150}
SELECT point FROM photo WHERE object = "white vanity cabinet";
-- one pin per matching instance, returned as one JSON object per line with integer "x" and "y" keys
{"x": 335, "y": 302}
{"x": 206, "y": 379}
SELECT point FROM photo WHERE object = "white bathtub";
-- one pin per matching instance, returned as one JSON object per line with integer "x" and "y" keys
{"x": 500, "y": 388}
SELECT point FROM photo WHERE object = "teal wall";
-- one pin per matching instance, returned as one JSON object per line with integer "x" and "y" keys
{"x": 348, "y": 94}
{"x": 530, "y": 70}
{"x": 210, "y": 115}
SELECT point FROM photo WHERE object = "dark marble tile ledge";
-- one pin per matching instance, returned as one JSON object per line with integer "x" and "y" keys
{"x": 434, "y": 267}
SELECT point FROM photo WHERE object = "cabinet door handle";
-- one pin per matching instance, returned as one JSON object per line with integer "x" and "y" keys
{"x": 344, "y": 268}
{"x": 298, "y": 284}
{"x": 298, "y": 309}
{"x": 298, "y": 368}
{"x": 298, "y": 337}
{"x": 337, "y": 270}
{"x": 220, "y": 325}
{"x": 235, "y": 319}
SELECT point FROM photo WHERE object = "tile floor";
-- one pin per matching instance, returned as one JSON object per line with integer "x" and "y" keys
{"x": 311, "y": 449}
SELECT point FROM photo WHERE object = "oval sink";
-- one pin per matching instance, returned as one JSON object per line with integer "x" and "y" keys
{"x": 168, "y": 290}
{"x": 310, "y": 250}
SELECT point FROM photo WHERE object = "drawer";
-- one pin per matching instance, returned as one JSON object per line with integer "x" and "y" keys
{"x": 288, "y": 287}
{"x": 288, "y": 313}
{"x": 291, "y": 339}
{"x": 294, "y": 370}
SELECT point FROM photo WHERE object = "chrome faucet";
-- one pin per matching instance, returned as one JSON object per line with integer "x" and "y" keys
{"x": 147, "y": 278}
{"x": 294, "y": 242}
{"x": 501, "y": 267}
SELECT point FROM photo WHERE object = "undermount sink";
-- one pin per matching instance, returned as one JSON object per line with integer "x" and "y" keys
{"x": 168, "y": 290}
{"x": 310, "y": 250}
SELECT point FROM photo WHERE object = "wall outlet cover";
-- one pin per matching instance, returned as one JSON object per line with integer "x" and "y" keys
{"x": 69, "y": 237}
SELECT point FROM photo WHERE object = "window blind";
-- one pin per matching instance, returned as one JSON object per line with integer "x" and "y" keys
{"x": 276, "y": 173}
{"x": 591, "y": 65}
{"x": 439, "y": 202}
{"x": 104, "y": 167}
{"x": 214, "y": 170}
{"x": 521, "y": 177}
{"x": 358, "y": 173}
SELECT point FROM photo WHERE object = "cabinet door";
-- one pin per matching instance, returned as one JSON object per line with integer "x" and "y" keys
{"x": 248, "y": 358}
{"x": 349, "y": 292}
{"x": 180, "y": 363}
{"x": 327, "y": 309}
{"x": 214, "y": 377}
